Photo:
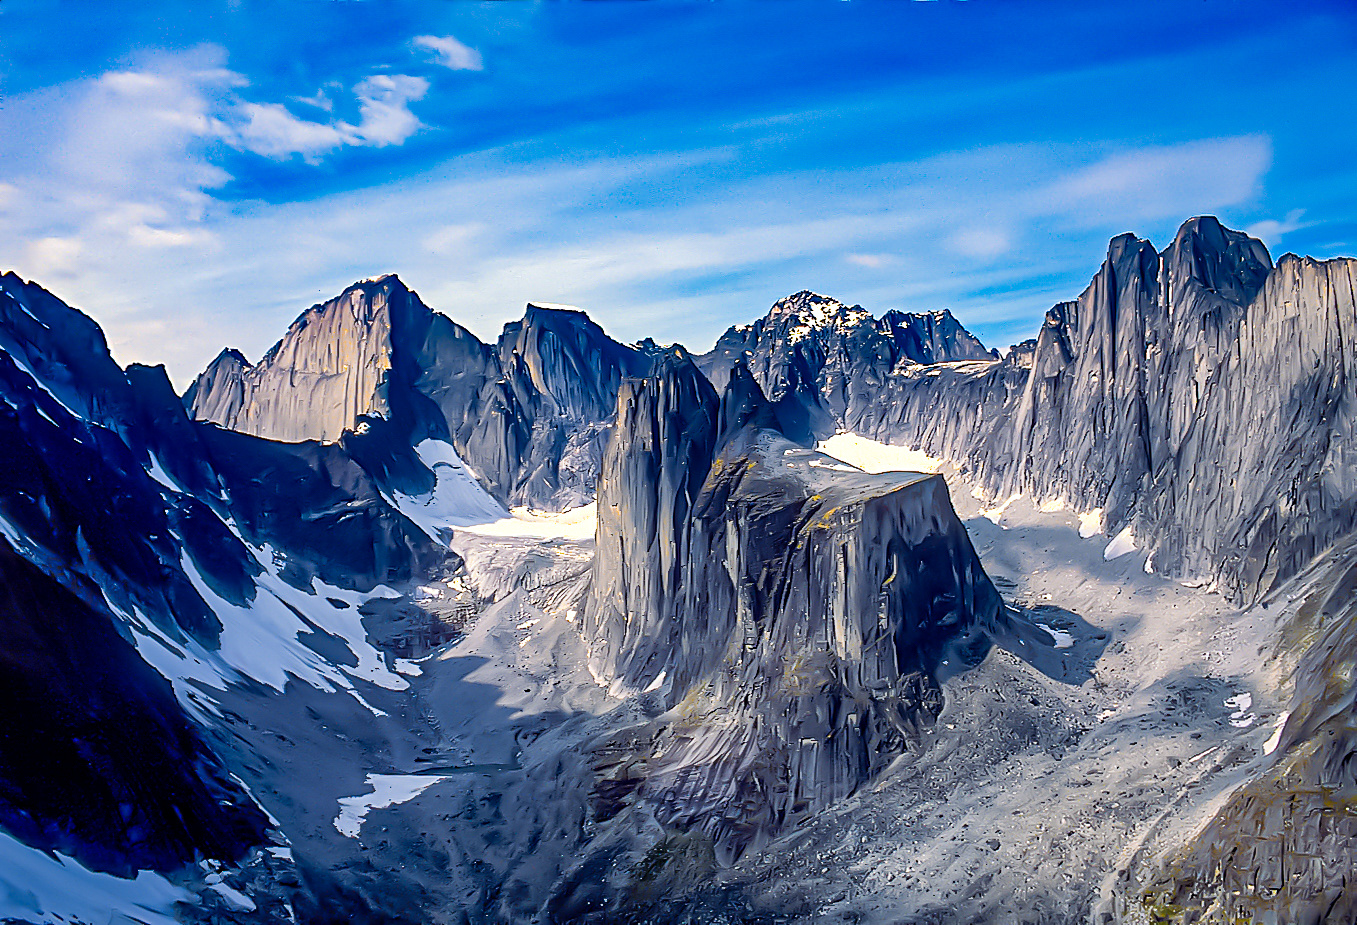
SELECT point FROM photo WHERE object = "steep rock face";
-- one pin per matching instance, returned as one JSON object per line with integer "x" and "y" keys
{"x": 658, "y": 455}
{"x": 564, "y": 372}
{"x": 946, "y": 409}
{"x": 1201, "y": 398}
{"x": 1283, "y": 846}
{"x": 96, "y": 758}
{"x": 1197, "y": 396}
{"x": 819, "y": 360}
{"x": 569, "y": 361}
{"x": 121, "y": 550}
{"x": 65, "y": 350}
{"x": 793, "y": 612}
{"x": 1267, "y": 463}
{"x": 330, "y": 367}
{"x": 528, "y": 415}
{"x": 1117, "y": 375}
{"x": 219, "y": 391}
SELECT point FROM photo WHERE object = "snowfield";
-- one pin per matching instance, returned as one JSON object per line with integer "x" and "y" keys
{"x": 459, "y": 502}
{"x": 874, "y": 456}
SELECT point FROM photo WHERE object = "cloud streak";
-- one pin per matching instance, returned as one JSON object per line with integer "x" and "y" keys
{"x": 450, "y": 53}
{"x": 271, "y": 130}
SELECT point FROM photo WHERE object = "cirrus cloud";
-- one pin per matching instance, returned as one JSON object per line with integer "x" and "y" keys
{"x": 450, "y": 53}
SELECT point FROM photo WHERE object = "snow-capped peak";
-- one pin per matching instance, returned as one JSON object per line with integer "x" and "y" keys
{"x": 807, "y": 312}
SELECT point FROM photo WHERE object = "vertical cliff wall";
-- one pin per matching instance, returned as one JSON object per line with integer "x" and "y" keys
{"x": 793, "y": 613}
{"x": 1199, "y": 396}
{"x": 528, "y": 415}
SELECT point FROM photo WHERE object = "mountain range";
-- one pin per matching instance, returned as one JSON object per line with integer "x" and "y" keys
{"x": 224, "y": 611}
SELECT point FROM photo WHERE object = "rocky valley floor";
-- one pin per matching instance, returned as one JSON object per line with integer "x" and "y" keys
{"x": 463, "y": 783}
{"x": 1054, "y": 778}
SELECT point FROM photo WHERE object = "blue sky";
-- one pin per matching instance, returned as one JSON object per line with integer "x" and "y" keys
{"x": 195, "y": 175}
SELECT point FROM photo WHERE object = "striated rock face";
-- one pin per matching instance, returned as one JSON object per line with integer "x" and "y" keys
{"x": 658, "y": 455}
{"x": 1201, "y": 398}
{"x": 528, "y": 414}
{"x": 331, "y": 367}
{"x": 564, "y": 373}
{"x": 1118, "y": 374}
{"x": 1198, "y": 396}
{"x": 123, "y": 546}
{"x": 819, "y": 360}
{"x": 1284, "y": 845}
{"x": 218, "y": 394}
{"x": 792, "y": 612}
{"x": 1270, "y": 470}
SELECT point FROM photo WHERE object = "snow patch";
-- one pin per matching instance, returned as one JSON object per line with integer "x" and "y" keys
{"x": 833, "y": 465}
{"x": 1241, "y": 718}
{"x": 457, "y": 499}
{"x": 558, "y": 306}
{"x": 1063, "y": 640}
{"x": 996, "y": 514}
{"x": 46, "y": 888}
{"x": 260, "y": 639}
{"x": 1123, "y": 543}
{"x": 1275, "y": 739}
{"x": 458, "y": 502}
{"x": 234, "y": 899}
{"x": 157, "y": 472}
{"x": 874, "y": 456}
{"x": 579, "y": 523}
{"x": 37, "y": 380}
{"x": 1091, "y": 523}
{"x": 387, "y": 790}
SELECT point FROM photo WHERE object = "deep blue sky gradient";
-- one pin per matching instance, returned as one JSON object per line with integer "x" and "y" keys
{"x": 672, "y": 168}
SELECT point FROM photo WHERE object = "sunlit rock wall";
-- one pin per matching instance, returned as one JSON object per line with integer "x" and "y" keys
{"x": 794, "y": 614}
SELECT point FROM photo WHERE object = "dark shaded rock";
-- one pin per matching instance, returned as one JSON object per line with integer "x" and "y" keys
{"x": 319, "y": 509}
{"x": 793, "y": 613}
{"x": 97, "y": 759}
{"x": 65, "y": 350}
{"x": 112, "y": 503}
{"x": 819, "y": 361}
{"x": 79, "y": 498}
{"x": 528, "y": 415}
{"x": 1284, "y": 845}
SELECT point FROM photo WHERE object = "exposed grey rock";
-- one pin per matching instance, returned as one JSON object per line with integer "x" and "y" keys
{"x": 218, "y": 394}
{"x": 792, "y": 612}
{"x": 816, "y": 358}
{"x": 1284, "y": 845}
{"x": 528, "y": 415}
{"x": 1198, "y": 395}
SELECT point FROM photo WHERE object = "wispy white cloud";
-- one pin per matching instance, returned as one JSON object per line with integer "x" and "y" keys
{"x": 133, "y": 229}
{"x": 870, "y": 261}
{"x": 450, "y": 53}
{"x": 980, "y": 242}
{"x": 53, "y": 257}
{"x": 271, "y": 130}
{"x": 1271, "y": 231}
{"x": 384, "y": 101}
{"x": 117, "y": 194}
{"x": 1156, "y": 182}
